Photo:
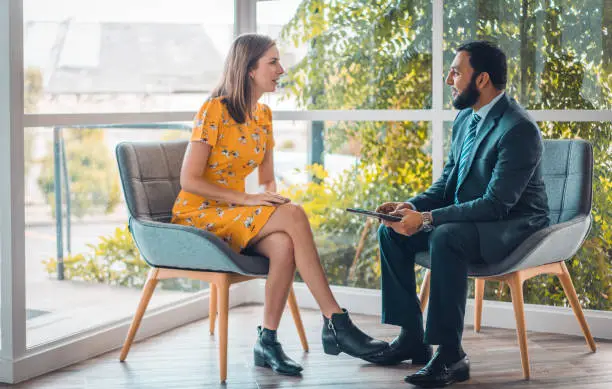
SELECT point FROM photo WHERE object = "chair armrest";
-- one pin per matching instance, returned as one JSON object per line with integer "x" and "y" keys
{"x": 183, "y": 247}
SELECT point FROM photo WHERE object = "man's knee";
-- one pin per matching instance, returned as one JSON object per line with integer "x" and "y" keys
{"x": 387, "y": 235}
{"x": 447, "y": 235}
{"x": 389, "y": 239}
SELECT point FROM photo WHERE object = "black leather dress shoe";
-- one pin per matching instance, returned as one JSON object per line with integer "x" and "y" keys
{"x": 438, "y": 373}
{"x": 398, "y": 352}
{"x": 269, "y": 353}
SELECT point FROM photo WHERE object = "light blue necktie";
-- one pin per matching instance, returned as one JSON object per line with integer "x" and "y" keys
{"x": 466, "y": 150}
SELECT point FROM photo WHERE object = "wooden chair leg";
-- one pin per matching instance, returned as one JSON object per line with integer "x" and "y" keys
{"x": 297, "y": 318}
{"x": 223, "y": 284}
{"x": 147, "y": 292}
{"x": 516, "y": 290}
{"x": 570, "y": 292}
{"x": 212, "y": 308}
{"x": 424, "y": 292}
{"x": 479, "y": 287}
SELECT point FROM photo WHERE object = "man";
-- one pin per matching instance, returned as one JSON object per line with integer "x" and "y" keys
{"x": 490, "y": 197}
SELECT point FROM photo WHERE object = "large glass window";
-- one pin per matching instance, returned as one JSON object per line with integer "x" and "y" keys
{"x": 363, "y": 167}
{"x": 291, "y": 154}
{"x": 87, "y": 56}
{"x": 345, "y": 55}
{"x": 131, "y": 56}
{"x": 272, "y": 16}
{"x": 103, "y": 272}
{"x": 559, "y": 51}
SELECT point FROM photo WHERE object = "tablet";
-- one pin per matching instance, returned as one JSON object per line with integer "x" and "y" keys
{"x": 383, "y": 216}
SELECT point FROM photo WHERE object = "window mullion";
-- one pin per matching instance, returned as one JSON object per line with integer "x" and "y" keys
{"x": 245, "y": 16}
{"x": 12, "y": 239}
{"x": 437, "y": 71}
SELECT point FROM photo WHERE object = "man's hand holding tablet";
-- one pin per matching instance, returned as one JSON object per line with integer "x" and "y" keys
{"x": 379, "y": 215}
{"x": 411, "y": 220}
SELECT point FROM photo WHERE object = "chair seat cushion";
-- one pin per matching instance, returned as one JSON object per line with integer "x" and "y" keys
{"x": 182, "y": 247}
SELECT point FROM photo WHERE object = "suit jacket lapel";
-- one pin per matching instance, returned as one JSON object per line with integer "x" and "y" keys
{"x": 489, "y": 123}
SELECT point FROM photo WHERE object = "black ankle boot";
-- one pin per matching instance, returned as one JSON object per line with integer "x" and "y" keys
{"x": 268, "y": 352}
{"x": 341, "y": 335}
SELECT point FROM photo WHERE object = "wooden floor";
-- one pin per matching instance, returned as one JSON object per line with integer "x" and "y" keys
{"x": 186, "y": 358}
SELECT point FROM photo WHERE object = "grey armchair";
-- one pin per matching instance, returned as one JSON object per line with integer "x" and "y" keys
{"x": 568, "y": 172}
{"x": 150, "y": 177}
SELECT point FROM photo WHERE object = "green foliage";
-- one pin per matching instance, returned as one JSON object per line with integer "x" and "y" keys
{"x": 361, "y": 55}
{"x": 379, "y": 57}
{"x": 114, "y": 260}
{"x": 362, "y": 58}
{"x": 337, "y": 232}
{"x": 94, "y": 183}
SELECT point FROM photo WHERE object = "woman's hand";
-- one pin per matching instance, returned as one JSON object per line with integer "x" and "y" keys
{"x": 266, "y": 198}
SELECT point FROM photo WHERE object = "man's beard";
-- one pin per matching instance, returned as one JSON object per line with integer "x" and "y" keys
{"x": 468, "y": 97}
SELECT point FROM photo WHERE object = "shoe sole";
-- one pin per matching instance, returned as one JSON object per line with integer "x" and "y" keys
{"x": 413, "y": 361}
{"x": 395, "y": 363}
{"x": 461, "y": 378}
{"x": 335, "y": 350}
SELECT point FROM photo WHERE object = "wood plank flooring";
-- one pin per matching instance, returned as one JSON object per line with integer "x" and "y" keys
{"x": 187, "y": 358}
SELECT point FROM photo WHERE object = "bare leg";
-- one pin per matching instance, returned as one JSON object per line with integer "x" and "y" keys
{"x": 293, "y": 221}
{"x": 278, "y": 247}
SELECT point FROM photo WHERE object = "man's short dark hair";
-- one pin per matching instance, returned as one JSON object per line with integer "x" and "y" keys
{"x": 487, "y": 57}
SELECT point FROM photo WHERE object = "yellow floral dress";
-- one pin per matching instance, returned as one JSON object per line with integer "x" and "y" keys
{"x": 237, "y": 149}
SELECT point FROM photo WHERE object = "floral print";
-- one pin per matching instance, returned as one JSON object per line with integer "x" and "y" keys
{"x": 237, "y": 149}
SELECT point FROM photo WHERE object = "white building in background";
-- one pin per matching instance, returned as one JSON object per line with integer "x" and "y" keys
{"x": 136, "y": 55}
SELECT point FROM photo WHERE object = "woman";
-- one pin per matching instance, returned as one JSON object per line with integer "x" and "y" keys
{"x": 232, "y": 136}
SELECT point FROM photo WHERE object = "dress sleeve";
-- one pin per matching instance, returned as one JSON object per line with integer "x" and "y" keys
{"x": 268, "y": 127}
{"x": 207, "y": 122}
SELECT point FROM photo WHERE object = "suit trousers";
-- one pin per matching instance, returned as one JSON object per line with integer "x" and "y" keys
{"x": 452, "y": 247}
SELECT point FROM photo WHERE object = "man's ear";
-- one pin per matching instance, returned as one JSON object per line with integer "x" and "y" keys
{"x": 482, "y": 80}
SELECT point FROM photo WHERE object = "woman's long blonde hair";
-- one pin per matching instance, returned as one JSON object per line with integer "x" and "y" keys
{"x": 236, "y": 86}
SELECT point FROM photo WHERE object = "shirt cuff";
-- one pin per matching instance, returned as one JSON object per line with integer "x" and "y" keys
{"x": 411, "y": 206}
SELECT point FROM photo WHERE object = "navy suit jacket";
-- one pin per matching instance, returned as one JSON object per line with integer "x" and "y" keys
{"x": 502, "y": 191}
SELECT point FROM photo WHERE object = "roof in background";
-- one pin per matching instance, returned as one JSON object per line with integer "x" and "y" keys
{"x": 89, "y": 57}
